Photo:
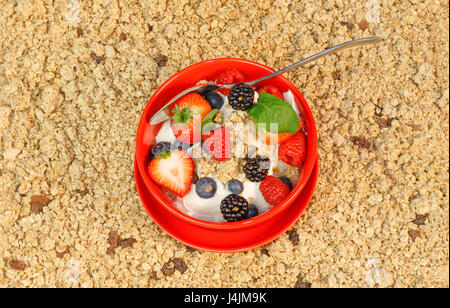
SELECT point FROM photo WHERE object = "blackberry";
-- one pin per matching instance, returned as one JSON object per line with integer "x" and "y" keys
{"x": 234, "y": 208}
{"x": 241, "y": 97}
{"x": 256, "y": 169}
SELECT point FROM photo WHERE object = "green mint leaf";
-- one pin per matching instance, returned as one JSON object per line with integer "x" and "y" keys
{"x": 271, "y": 109}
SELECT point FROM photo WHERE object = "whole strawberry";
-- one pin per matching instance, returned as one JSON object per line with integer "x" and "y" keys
{"x": 217, "y": 142}
{"x": 187, "y": 115}
{"x": 229, "y": 76}
{"x": 273, "y": 190}
{"x": 293, "y": 150}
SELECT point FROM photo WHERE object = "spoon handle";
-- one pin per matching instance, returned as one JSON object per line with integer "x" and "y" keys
{"x": 354, "y": 43}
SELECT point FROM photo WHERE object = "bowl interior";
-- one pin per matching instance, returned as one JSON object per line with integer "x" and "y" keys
{"x": 209, "y": 70}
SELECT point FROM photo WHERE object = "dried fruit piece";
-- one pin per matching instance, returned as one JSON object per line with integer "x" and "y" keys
{"x": 349, "y": 25}
{"x": 128, "y": 242}
{"x": 336, "y": 75}
{"x": 167, "y": 269}
{"x": 361, "y": 142}
{"x": 113, "y": 241}
{"x": 161, "y": 60}
{"x": 17, "y": 265}
{"x": 420, "y": 219}
{"x": 179, "y": 264}
{"x": 413, "y": 234}
{"x": 383, "y": 122}
{"x": 38, "y": 203}
{"x": 363, "y": 25}
{"x": 123, "y": 36}
{"x": 293, "y": 237}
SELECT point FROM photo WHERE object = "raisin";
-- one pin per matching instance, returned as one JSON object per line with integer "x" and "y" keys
{"x": 336, "y": 75}
{"x": 179, "y": 264}
{"x": 363, "y": 25}
{"x": 167, "y": 269}
{"x": 79, "y": 32}
{"x": 161, "y": 60}
{"x": 383, "y": 122}
{"x": 123, "y": 36}
{"x": 128, "y": 242}
{"x": 413, "y": 234}
{"x": 17, "y": 265}
{"x": 300, "y": 284}
{"x": 293, "y": 237}
{"x": 190, "y": 249}
{"x": 153, "y": 275}
{"x": 361, "y": 142}
{"x": 420, "y": 220}
{"x": 113, "y": 241}
{"x": 150, "y": 27}
{"x": 38, "y": 203}
{"x": 349, "y": 25}
{"x": 264, "y": 251}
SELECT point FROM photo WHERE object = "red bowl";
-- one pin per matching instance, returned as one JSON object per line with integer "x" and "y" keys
{"x": 209, "y": 70}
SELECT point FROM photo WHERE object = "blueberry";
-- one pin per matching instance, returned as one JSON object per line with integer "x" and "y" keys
{"x": 252, "y": 211}
{"x": 206, "y": 187}
{"x": 235, "y": 186}
{"x": 286, "y": 181}
{"x": 210, "y": 88}
{"x": 159, "y": 148}
{"x": 214, "y": 99}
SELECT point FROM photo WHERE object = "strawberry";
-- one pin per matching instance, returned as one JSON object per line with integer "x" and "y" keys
{"x": 293, "y": 151}
{"x": 273, "y": 190}
{"x": 173, "y": 170}
{"x": 217, "y": 142}
{"x": 187, "y": 115}
{"x": 282, "y": 137}
{"x": 229, "y": 76}
{"x": 271, "y": 89}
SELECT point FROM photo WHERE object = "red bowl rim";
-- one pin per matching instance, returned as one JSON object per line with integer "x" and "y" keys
{"x": 307, "y": 166}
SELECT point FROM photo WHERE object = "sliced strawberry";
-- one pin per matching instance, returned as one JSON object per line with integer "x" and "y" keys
{"x": 174, "y": 171}
{"x": 217, "y": 142}
{"x": 229, "y": 76}
{"x": 272, "y": 138}
{"x": 271, "y": 89}
{"x": 187, "y": 115}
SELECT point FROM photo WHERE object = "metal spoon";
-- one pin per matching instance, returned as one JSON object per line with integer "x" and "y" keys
{"x": 162, "y": 115}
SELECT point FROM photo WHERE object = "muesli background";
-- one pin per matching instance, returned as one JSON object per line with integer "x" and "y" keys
{"x": 75, "y": 76}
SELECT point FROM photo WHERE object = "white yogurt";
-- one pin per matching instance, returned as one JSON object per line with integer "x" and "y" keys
{"x": 207, "y": 208}
{"x": 165, "y": 133}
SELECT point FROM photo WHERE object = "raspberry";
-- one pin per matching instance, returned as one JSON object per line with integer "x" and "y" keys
{"x": 229, "y": 76}
{"x": 273, "y": 190}
{"x": 271, "y": 89}
{"x": 293, "y": 150}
